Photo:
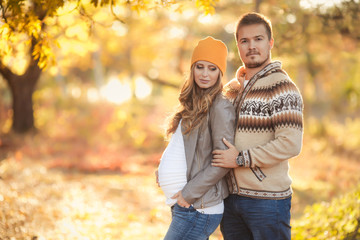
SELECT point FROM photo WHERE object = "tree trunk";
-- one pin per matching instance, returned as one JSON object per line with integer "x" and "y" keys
{"x": 22, "y": 88}
{"x": 257, "y": 5}
{"x": 23, "y": 113}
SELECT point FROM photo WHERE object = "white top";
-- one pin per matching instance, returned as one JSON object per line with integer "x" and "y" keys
{"x": 172, "y": 168}
{"x": 246, "y": 82}
{"x": 172, "y": 172}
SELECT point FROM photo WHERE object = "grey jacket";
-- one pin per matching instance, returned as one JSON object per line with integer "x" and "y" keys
{"x": 205, "y": 184}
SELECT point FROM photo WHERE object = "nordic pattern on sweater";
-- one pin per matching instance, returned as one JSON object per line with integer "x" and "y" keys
{"x": 269, "y": 132}
{"x": 270, "y": 107}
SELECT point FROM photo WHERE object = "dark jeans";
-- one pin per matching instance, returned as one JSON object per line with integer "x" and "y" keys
{"x": 189, "y": 224}
{"x": 256, "y": 219}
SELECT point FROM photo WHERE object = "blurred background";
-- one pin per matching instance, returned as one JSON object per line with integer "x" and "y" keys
{"x": 86, "y": 86}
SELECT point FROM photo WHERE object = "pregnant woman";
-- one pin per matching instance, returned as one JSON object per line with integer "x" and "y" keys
{"x": 193, "y": 188}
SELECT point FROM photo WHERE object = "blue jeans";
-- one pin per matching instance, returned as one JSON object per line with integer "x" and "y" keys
{"x": 256, "y": 219}
{"x": 189, "y": 224}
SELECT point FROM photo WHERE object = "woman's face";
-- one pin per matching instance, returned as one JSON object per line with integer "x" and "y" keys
{"x": 206, "y": 74}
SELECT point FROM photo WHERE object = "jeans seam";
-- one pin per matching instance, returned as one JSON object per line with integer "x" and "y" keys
{"x": 206, "y": 225}
{"x": 278, "y": 218}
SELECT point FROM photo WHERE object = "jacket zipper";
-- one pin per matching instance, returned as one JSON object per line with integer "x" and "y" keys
{"x": 197, "y": 159}
{"x": 216, "y": 189}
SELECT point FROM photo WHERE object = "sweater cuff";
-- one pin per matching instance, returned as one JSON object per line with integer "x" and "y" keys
{"x": 246, "y": 158}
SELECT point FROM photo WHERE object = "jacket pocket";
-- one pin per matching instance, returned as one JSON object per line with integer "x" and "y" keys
{"x": 258, "y": 173}
{"x": 216, "y": 189}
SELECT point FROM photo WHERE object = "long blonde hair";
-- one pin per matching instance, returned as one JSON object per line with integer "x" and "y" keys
{"x": 195, "y": 104}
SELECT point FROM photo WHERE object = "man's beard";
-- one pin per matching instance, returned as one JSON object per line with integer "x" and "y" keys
{"x": 257, "y": 64}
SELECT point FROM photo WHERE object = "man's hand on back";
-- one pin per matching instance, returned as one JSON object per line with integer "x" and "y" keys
{"x": 225, "y": 158}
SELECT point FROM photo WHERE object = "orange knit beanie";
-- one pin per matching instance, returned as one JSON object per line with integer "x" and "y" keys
{"x": 211, "y": 50}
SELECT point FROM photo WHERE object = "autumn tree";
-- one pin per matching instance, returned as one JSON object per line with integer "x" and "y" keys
{"x": 27, "y": 44}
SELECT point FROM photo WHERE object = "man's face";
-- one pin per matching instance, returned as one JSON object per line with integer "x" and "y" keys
{"x": 254, "y": 45}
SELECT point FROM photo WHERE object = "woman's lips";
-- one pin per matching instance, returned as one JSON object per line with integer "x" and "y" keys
{"x": 204, "y": 81}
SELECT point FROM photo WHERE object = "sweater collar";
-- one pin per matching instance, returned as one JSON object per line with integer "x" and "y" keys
{"x": 240, "y": 73}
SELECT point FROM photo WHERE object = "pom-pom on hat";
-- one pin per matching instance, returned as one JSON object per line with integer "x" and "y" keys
{"x": 211, "y": 50}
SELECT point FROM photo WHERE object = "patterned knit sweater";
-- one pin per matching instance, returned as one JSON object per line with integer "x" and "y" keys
{"x": 269, "y": 132}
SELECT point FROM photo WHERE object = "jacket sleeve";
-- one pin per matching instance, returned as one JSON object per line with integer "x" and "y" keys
{"x": 286, "y": 108}
{"x": 222, "y": 124}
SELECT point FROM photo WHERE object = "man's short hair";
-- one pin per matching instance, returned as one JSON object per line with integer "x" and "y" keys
{"x": 254, "y": 18}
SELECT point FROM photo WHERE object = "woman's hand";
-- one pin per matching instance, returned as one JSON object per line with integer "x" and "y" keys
{"x": 180, "y": 200}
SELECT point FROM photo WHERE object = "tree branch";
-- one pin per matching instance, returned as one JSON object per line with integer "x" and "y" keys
{"x": 164, "y": 83}
{"x": 113, "y": 13}
{"x": 33, "y": 66}
{"x": 40, "y": 13}
{"x": 6, "y": 72}
{"x": 3, "y": 12}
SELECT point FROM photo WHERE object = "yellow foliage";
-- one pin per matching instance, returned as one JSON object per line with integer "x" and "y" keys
{"x": 34, "y": 27}
{"x": 43, "y": 52}
{"x": 338, "y": 219}
{"x": 208, "y": 6}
